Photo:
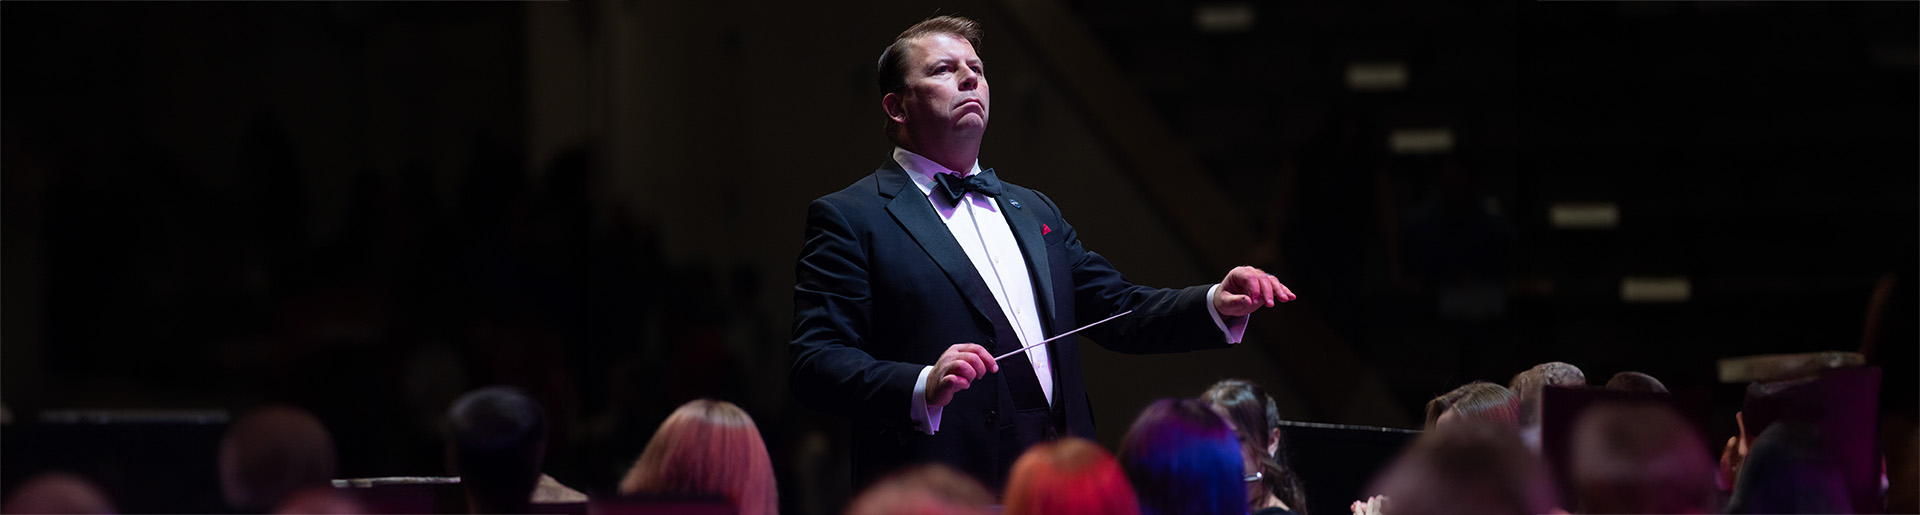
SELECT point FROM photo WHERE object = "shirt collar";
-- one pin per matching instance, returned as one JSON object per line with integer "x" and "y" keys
{"x": 921, "y": 169}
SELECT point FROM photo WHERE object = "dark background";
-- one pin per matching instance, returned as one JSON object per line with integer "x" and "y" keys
{"x": 368, "y": 208}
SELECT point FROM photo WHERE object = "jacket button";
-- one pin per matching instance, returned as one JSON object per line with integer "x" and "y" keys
{"x": 990, "y": 416}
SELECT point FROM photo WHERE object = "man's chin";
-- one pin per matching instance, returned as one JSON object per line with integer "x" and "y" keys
{"x": 970, "y": 125}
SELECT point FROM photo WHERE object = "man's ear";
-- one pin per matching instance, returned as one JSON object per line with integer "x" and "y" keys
{"x": 892, "y": 105}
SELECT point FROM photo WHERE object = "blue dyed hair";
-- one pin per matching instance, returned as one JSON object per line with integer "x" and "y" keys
{"x": 1184, "y": 459}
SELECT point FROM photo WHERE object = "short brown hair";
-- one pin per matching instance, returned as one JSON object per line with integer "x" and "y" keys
{"x": 892, "y": 74}
{"x": 1479, "y": 400}
{"x": 1472, "y": 467}
{"x": 1631, "y": 381}
{"x": 1528, "y": 384}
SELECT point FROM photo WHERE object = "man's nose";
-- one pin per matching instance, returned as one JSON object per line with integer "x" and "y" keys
{"x": 969, "y": 80}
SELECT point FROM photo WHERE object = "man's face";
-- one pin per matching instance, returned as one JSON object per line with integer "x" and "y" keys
{"x": 946, "y": 93}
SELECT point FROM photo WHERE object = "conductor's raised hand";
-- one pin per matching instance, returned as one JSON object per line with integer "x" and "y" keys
{"x": 957, "y": 369}
{"x": 1247, "y": 289}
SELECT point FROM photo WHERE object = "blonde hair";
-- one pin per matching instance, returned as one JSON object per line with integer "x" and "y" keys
{"x": 926, "y": 489}
{"x": 708, "y": 447}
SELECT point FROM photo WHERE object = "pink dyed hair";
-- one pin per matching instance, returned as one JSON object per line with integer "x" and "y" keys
{"x": 708, "y": 447}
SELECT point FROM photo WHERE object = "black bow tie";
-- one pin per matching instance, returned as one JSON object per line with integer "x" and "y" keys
{"x": 955, "y": 187}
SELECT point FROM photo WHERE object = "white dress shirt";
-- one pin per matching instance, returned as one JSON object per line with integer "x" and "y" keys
{"x": 982, "y": 231}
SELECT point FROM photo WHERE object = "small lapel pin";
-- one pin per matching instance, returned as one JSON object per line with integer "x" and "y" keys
{"x": 1044, "y": 229}
{"x": 1014, "y": 201}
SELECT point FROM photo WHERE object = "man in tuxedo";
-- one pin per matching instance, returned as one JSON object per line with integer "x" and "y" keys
{"x": 913, "y": 278}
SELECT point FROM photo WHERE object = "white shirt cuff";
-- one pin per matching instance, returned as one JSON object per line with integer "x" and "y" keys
{"x": 1234, "y": 328}
{"x": 927, "y": 419}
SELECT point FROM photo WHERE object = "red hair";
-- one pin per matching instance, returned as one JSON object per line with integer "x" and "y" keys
{"x": 1068, "y": 477}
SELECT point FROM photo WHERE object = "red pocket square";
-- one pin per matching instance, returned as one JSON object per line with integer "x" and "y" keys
{"x": 1044, "y": 230}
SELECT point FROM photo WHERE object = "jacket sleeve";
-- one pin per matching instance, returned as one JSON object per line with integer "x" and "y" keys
{"x": 1164, "y": 320}
{"x": 832, "y": 321}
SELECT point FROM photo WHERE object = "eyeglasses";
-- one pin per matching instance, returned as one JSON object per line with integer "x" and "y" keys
{"x": 1255, "y": 476}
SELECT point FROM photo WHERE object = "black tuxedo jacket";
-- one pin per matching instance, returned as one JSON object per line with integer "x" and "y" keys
{"x": 882, "y": 289}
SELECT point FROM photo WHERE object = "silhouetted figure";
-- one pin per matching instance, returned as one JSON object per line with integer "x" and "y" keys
{"x": 1639, "y": 458}
{"x": 1787, "y": 470}
{"x": 271, "y": 453}
{"x": 498, "y": 436}
{"x": 58, "y": 492}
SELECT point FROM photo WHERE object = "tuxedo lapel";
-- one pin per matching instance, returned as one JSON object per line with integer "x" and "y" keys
{"x": 915, "y": 214}
{"x": 1026, "y": 229}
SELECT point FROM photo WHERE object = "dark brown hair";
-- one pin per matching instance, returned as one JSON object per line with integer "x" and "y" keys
{"x": 1468, "y": 468}
{"x": 1255, "y": 416}
{"x": 1631, "y": 381}
{"x": 892, "y": 75}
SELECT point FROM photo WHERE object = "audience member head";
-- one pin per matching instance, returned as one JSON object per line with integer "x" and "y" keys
{"x": 925, "y": 490}
{"x": 1183, "y": 458}
{"x": 1263, "y": 449}
{"x": 1788, "y": 470}
{"x": 498, "y": 439}
{"x": 1631, "y": 381}
{"x": 272, "y": 452}
{"x": 1069, "y": 477}
{"x": 1471, "y": 467}
{"x": 1478, "y": 400}
{"x": 321, "y": 500}
{"x": 708, "y": 447}
{"x": 57, "y": 492}
{"x": 1639, "y": 457}
{"x": 1528, "y": 384}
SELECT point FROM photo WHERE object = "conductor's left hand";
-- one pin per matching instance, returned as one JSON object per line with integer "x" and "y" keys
{"x": 1247, "y": 289}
